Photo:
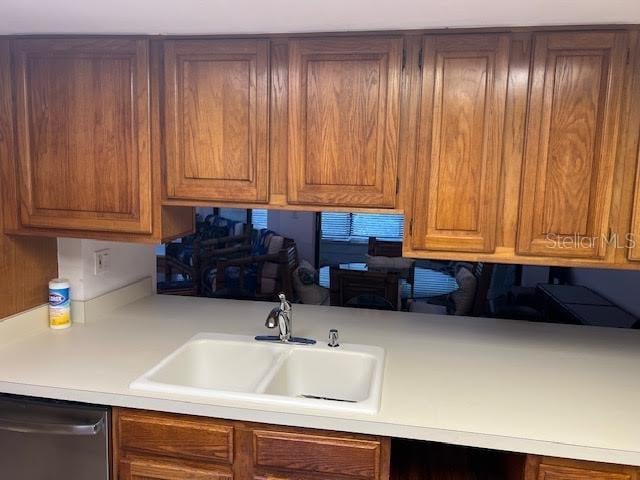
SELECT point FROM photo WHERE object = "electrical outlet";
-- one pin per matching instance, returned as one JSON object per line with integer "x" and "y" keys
{"x": 102, "y": 261}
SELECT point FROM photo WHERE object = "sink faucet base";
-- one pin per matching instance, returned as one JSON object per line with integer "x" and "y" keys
{"x": 292, "y": 340}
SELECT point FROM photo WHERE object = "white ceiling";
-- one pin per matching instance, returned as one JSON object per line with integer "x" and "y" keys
{"x": 270, "y": 16}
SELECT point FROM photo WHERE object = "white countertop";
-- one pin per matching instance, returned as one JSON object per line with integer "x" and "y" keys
{"x": 548, "y": 389}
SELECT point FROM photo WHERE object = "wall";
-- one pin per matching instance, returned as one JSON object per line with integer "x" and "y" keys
{"x": 619, "y": 286}
{"x": 128, "y": 263}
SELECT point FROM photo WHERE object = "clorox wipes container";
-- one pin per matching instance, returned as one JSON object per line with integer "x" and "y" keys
{"x": 59, "y": 304}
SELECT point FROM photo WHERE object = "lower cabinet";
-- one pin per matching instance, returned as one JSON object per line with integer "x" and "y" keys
{"x": 152, "y": 445}
{"x": 162, "y": 446}
{"x": 550, "y": 468}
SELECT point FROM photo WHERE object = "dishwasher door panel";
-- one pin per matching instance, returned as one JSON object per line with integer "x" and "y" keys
{"x": 44, "y": 440}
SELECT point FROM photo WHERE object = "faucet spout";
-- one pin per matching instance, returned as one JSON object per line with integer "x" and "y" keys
{"x": 272, "y": 318}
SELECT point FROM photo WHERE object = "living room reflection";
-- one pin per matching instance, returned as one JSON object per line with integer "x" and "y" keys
{"x": 355, "y": 260}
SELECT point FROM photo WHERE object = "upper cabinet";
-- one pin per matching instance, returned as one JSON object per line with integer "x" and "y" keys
{"x": 633, "y": 240}
{"x": 518, "y": 146}
{"x": 83, "y": 134}
{"x": 216, "y": 120}
{"x": 572, "y": 132}
{"x": 344, "y": 98}
{"x": 464, "y": 86}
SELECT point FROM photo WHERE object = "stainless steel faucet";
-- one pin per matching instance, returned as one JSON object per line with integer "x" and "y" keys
{"x": 282, "y": 317}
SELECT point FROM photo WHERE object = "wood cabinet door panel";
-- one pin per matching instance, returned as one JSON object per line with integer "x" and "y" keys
{"x": 82, "y": 122}
{"x": 554, "y": 472}
{"x": 343, "y": 121}
{"x": 634, "y": 238}
{"x": 315, "y": 454}
{"x": 144, "y": 469}
{"x": 170, "y": 435}
{"x": 549, "y": 468}
{"x": 217, "y": 119}
{"x": 573, "y": 121}
{"x": 464, "y": 86}
{"x": 295, "y": 476}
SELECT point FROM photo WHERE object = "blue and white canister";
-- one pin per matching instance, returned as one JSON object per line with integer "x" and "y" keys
{"x": 59, "y": 304}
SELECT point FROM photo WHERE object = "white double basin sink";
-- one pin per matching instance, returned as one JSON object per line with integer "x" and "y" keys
{"x": 239, "y": 368}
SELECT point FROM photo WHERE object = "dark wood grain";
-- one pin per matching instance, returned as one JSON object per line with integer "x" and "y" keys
{"x": 26, "y": 264}
{"x": 549, "y": 468}
{"x": 83, "y": 134}
{"x": 216, "y": 117}
{"x": 144, "y": 469}
{"x": 457, "y": 181}
{"x": 169, "y": 445}
{"x": 574, "y": 109}
{"x": 634, "y": 147}
{"x": 324, "y": 455}
{"x": 344, "y": 99}
{"x": 176, "y": 436}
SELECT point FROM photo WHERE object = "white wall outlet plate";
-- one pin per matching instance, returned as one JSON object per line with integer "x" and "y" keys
{"x": 102, "y": 261}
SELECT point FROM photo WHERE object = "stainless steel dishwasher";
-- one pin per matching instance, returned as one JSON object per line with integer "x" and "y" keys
{"x": 51, "y": 440}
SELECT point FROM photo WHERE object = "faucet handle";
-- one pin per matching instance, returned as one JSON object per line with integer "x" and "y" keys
{"x": 333, "y": 338}
{"x": 285, "y": 305}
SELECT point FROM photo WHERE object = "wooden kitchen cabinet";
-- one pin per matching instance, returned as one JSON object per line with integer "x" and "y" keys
{"x": 86, "y": 135}
{"x": 168, "y": 446}
{"x": 344, "y": 97}
{"x": 573, "y": 123}
{"x": 534, "y": 166}
{"x": 457, "y": 174}
{"x": 82, "y": 125}
{"x": 216, "y": 120}
{"x": 329, "y": 456}
{"x": 549, "y": 468}
{"x": 141, "y": 469}
{"x": 633, "y": 240}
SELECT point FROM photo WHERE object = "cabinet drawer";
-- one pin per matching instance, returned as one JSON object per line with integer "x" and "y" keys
{"x": 141, "y": 469}
{"x": 318, "y": 454}
{"x": 549, "y": 468}
{"x": 188, "y": 438}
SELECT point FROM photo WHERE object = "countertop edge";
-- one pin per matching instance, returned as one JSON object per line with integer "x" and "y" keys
{"x": 469, "y": 439}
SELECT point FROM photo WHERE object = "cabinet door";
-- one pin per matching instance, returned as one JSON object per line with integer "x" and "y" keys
{"x": 83, "y": 125}
{"x": 549, "y": 468}
{"x": 464, "y": 86}
{"x": 343, "y": 121}
{"x": 145, "y": 469}
{"x": 307, "y": 455}
{"x": 216, "y": 119}
{"x": 633, "y": 240}
{"x": 573, "y": 121}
